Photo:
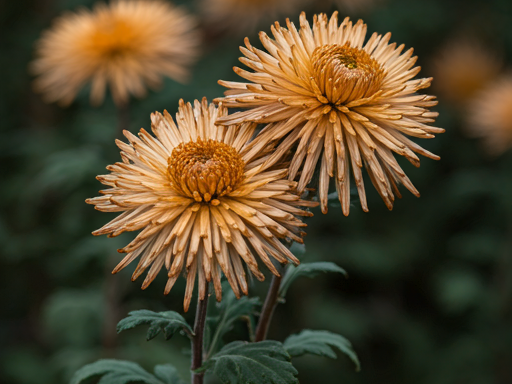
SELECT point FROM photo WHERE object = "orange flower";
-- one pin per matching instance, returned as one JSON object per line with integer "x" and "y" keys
{"x": 127, "y": 44}
{"x": 462, "y": 68}
{"x": 490, "y": 116}
{"x": 203, "y": 203}
{"x": 346, "y": 103}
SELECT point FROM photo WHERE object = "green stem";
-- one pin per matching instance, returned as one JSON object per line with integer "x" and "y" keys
{"x": 269, "y": 306}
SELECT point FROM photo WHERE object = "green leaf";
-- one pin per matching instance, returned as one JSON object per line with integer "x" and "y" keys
{"x": 308, "y": 270}
{"x": 320, "y": 343}
{"x": 116, "y": 372}
{"x": 231, "y": 309}
{"x": 169, "y": 322}
{"x": 168, "y": 374}
{"x": 266, "y": 362}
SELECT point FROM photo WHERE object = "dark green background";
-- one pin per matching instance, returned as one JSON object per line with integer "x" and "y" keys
{"x": 428, "y": 300}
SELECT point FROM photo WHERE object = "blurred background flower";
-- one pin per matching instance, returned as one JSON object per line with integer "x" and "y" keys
{"x": 428, "y": 298}
{"x": 127, "y": 45}
{"x": 490, "y": 116}
{"x": 463, "y": 67}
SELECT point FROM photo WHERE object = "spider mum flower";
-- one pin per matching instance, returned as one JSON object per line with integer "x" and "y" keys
{"x": 490, "y": 116}
{"x": 203, "y": 204}
{"x": 462, "y": 68}
{"x": 345, "y": 102}
{"x": 232, "y": 14}
{"x": 127, "y": 45}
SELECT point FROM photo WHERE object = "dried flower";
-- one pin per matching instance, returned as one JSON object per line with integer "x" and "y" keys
{"x": 203, "y": 203}
{"x": 127, "y": 44}
{"x": 490, "y": 116}
{"x": 462, "y": 68}
{"x": 343, "y": 101}
{"x": 232, "y": 14}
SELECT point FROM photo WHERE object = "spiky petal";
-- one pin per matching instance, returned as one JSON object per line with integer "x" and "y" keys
{"x": 344, "y": 102}
{"x": 202, "y": 203}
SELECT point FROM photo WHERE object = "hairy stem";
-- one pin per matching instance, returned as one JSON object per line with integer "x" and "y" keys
{"x": 197, "y": 341}
{"x": 269, "y": 306}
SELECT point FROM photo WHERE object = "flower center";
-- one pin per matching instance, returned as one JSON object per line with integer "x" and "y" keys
{"x": 344, "y": 74}
{"x": 205, "y": 170}
{"x": 112, "y": 38}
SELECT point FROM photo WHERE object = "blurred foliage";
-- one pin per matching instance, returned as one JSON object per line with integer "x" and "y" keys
{"x": 429, "y": 293}
{"x": 124, "y": 372}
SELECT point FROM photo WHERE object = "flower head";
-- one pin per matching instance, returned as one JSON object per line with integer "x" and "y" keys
{"x": 345, "y": 102}
{"x": 490, "y": 116}
{"x": 462, "y": 68}
{"x": 233, "y": 14}
{"x": 127, "y": 44}
{"x": 202, "y": 202}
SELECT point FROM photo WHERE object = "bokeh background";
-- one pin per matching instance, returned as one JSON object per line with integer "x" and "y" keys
{"x": 429, "y": 294}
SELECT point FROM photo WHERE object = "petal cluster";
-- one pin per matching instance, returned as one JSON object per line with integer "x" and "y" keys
{"x": 127, "y": 45}
{"x": 203, "y": 204}
{"x": 339, "y": 101}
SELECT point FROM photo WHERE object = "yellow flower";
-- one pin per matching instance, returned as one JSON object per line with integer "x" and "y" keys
{"x": 344, "y": 101}
{"x": 232, "y": 14}
{"x": 128, "y": 45}
{"x": 462, "y": 68}
{"x": 490, "y": 116}
{"x": 203, "y": 203}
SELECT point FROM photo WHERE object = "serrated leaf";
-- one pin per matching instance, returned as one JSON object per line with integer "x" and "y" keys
{"x": 168, "y": 374}
{"x": 115, "y": 372}
{"x": 308, "y": 270}
{"x": 231, "y": 309}
{"x": 169, "y": 322}
{"x": 265, "y": 362}
{"x": 320, "y": 343}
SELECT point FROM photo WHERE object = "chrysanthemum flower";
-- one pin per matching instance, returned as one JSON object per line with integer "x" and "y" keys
{"x": 490, "y": 116}
{"x": 128, "y": 45}
{"x": 344, "y": 101}
{"x": 462, "y": 68}
{"x": 233, "y": 14}
{"x": 203, "y": 203}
